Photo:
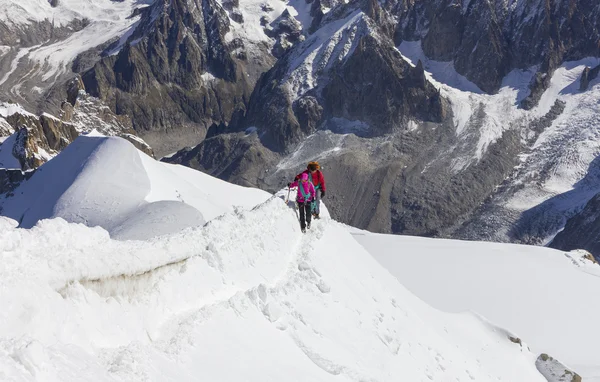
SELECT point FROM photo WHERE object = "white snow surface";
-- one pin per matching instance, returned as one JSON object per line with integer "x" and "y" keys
{"x": 246, "y": 296}
{"x": 107, "y": 182}
{"x": 7, "y": 109}
{"x": 7, "y": 159}
{"x": 544, "y": 296}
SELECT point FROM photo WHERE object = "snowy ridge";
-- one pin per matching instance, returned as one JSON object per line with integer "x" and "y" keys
{"x": 81, "y": 305}
{"x": 263, "y": 285}
{"x": 106, "y": 181}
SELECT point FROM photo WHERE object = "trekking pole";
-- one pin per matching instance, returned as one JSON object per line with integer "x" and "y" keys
{"x": 288, "y": 196}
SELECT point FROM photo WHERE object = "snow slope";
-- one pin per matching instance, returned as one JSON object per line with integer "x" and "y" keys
{"x": 233, "y": 300}
{"x": 107, "y": 182}
{"x": 545, "y": 296}
{"x": 246, "y": 296}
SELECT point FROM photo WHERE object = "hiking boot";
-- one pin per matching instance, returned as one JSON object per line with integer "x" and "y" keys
{"x": 316, "y": 216}
{"x": 308, "y": 225}
{"x": 303, "y": 230}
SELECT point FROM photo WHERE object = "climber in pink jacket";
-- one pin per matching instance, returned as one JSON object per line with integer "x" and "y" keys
{"x": 305, "y": 197}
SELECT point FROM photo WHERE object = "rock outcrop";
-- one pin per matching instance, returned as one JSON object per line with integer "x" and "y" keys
{"x": 176, "y": 75}
{"x": 10, "y": 179}
{"x": 588, "y": 75}
{"x": 554, "y": 371}
{"x": 582, "y": 231}
{"x": 36, "y": 139}
{"x": 487, "y": 39}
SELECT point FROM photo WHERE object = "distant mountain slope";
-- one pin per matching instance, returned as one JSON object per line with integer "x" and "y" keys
{"x": 467, "y": 119}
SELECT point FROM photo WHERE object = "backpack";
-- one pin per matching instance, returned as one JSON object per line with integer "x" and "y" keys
{"x": 313, "y": 204}
{"x": 310, "y": 179}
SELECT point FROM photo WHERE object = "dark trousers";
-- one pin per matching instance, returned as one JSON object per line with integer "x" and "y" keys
{"x": 305, "y": 213}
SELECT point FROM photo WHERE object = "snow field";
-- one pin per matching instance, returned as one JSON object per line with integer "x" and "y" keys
{"x": 263, "y": 296}
{"x": 544, "y": 296}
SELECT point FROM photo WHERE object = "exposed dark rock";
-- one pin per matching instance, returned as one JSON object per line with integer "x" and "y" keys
{"x": 86, "y": 60}
{"x": 239, "y": 157}
{"x": 587, "y": 76}
{"x": 73, "y": 88}
{"x": 539, "y": 84}
{"x": 308, "y": 112}
{"x": 138, "y": 143}
{"x": 11, "y": 179}
{"x": 286, "y": 30}
{"x": 385, "y": 96}
{"x": 26, "y": 149}
{"x": 181, "y": 74}
{"x": 237, "y": 16}
{"x": 58, "y": 133}
{"x": 445, "y": 32}
{"x": 483, "y": 54}
{"x": 582, "y": 231}
{"x": 487, "y": 39}
{"x": 39, "y": 138}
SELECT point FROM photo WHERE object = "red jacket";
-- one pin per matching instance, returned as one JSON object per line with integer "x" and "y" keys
{"x": 317, "y": 178}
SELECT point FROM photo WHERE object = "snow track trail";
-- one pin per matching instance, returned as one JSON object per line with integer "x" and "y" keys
{"x": 245, "y": 297}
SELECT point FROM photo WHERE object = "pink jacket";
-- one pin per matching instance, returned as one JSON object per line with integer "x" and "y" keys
{"x": 309, "y": 189}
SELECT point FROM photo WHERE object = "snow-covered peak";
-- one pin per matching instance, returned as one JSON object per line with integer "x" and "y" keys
{"x": 107, "y": 182}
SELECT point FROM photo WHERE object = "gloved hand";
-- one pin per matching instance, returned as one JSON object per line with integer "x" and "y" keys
{"x": 289, "y": 185}
{"x": 322, "y": 194}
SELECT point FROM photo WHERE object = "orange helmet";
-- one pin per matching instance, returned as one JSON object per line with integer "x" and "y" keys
{"x": 313, "y": 165}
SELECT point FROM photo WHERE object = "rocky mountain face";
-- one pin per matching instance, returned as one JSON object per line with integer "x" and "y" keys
{"x": 468, "y": 119}
{"x": 178, "y": 73}
{"x": 582, "y": 230}
{"x": 487, "y": 39}
{"x": 387, "y": 135}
